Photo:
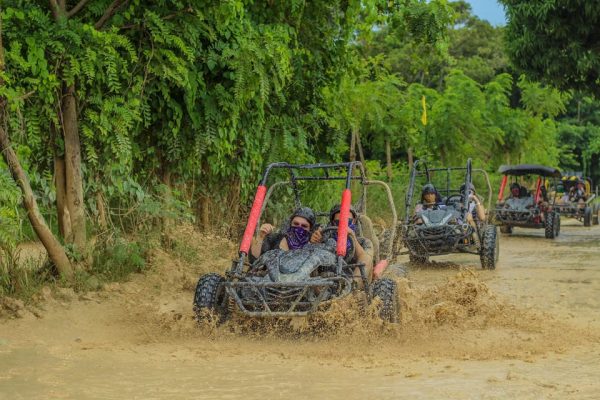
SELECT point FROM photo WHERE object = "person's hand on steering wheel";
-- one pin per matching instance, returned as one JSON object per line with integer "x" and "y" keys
{"x": 317, "y": 236}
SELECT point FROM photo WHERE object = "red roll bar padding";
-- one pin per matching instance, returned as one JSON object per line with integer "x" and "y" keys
{"x": 502, "y": 187}
{"x": 380, "y": 268}
{"x": 538, "y": 190}
{"x": 343, "y": 226}
{"x": 259, "y": 198}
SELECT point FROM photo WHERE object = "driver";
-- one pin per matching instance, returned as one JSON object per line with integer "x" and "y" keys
{"x": 515, "y": 190}
{"x": 363, "y": 248}
{"x": 302, "y": 224}
{"x": 430, "y": 199}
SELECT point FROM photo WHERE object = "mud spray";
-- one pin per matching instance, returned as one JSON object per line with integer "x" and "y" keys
{"x": 456, "y": 337}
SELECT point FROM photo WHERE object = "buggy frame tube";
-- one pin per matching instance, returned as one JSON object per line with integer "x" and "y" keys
{"x": 390, "y": 197}
{"x": 411, "y": 189}
{"x": 261, "y": 191}
{"x": 502, "y": 187}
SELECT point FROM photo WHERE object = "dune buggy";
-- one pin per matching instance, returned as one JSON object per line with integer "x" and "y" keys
{"x": 583, "y": 208}
{"x": 529, "y": 209}
{"x": 445, "y": 228}
{"x": 301, "y": 282}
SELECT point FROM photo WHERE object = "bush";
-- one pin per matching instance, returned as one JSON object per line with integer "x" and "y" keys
{"x": 115, "y": 261}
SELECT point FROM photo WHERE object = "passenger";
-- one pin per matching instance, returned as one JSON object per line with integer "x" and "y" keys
{"x": 476, "y": 209}
{"x": 578, "y": 192}
{"x": 363, "y": 247}
{"x": 302, "y": 224}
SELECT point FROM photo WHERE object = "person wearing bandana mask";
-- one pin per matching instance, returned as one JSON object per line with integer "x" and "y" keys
{"x": 297, "y": 235}
{"x": 515, "y": 190}
{"x": 363, "y": 248}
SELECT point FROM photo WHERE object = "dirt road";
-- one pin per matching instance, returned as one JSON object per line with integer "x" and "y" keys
{"x": 528, "y": 330}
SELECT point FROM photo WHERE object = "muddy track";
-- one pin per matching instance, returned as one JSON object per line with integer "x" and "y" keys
{"x": 529, "y": 329}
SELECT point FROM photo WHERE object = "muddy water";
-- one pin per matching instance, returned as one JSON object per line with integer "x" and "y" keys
{"x": 529, "y": 329}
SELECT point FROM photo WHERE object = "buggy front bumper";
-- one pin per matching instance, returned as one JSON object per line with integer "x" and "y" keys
{"x": 570, "y": 211}
{"x": 524, "y": 218}
{"x": 286, "y": 299}
{"x": 437, "y": 240}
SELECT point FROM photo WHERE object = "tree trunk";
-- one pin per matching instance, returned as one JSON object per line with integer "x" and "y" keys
{"x": 53, "y": 247}
{"x": 352, "y": 146}
{"x": 361, "y": 155}
{"x": 102, "y": 219}
{"x": 74, "y": 179}
{"x": 410, "y": 157}
{"x": 388, "y": 158}
{"x": 62, "y": 211}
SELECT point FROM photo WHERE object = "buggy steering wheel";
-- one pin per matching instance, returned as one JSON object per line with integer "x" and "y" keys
{"x": 455, "y": 198}
{"x": 327, "y": 232}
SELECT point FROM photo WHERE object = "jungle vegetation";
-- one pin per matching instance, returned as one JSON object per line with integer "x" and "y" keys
{"x": 118, "y": 117}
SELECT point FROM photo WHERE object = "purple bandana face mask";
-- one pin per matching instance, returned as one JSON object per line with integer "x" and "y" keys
{"x": 297, "y": 237}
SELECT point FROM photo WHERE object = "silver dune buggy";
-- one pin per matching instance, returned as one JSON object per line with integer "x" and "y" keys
{"x": 444, "y": 227}
{"x": 301, "y": 282}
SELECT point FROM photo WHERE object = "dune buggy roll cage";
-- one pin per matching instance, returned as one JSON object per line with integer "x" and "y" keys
{"x": 295, "y": 175}
{"x": 448, "y": 191}
{"x": 528, "y": 169}
{"x": 531, "y": 217}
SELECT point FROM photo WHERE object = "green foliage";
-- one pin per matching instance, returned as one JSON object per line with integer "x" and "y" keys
{"x": 115, "y": 260}
{"x": 182, "y": 104}
{"x": 556, "y": 41}
{"x": 10, "y": 198}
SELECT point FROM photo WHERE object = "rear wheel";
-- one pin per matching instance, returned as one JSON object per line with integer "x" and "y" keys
{"x": 210, "y": 298}
{"x": 552, "y": 224}
{"x": 386, "y": 291}
{"x": 506, "y": 229}
{"x": 587, "y": 216}
{"x": 417, "y": 259}
{"x": 490, "y": 246}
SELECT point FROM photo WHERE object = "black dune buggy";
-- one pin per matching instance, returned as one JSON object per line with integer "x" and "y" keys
{"x": 444, "y": 228}
{"x": 582, "y": 209}
{"x": 530, "y": 209}
{"x": 300, "y": 282}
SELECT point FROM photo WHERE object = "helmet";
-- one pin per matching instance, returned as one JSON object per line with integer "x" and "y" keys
{"x": 427, "y": 189}
{"x": 307, "y": 214}
{"x": 337, "y": 208}
{"x": 470, "y": 185}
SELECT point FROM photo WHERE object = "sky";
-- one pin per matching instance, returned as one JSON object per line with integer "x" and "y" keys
{"x": 489, "y": 10}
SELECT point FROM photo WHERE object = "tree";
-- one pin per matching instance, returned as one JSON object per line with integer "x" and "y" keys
{"x": 556, "y": 41}
{"x": 55, "y": 251}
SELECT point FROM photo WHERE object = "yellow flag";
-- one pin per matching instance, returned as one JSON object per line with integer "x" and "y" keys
{"x": 424, "y": 115}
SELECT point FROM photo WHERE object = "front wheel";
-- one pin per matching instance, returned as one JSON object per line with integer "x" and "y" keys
{"x": 210, "y": 298}
{"x": 552, "y": 225}
{"x": 595, "y": 215}
{"x": 506, "y": 229}
{"x": 386, "y": 291}
{"x": 587, "y": 216}
{"x": 490, "y": 246}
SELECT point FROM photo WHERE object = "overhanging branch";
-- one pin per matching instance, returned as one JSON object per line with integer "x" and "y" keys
{"x": 77, "y": 8}
{"x": 110, "y": 11}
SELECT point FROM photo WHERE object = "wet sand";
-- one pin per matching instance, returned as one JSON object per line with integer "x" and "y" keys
{"x": 528, "y": 330}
